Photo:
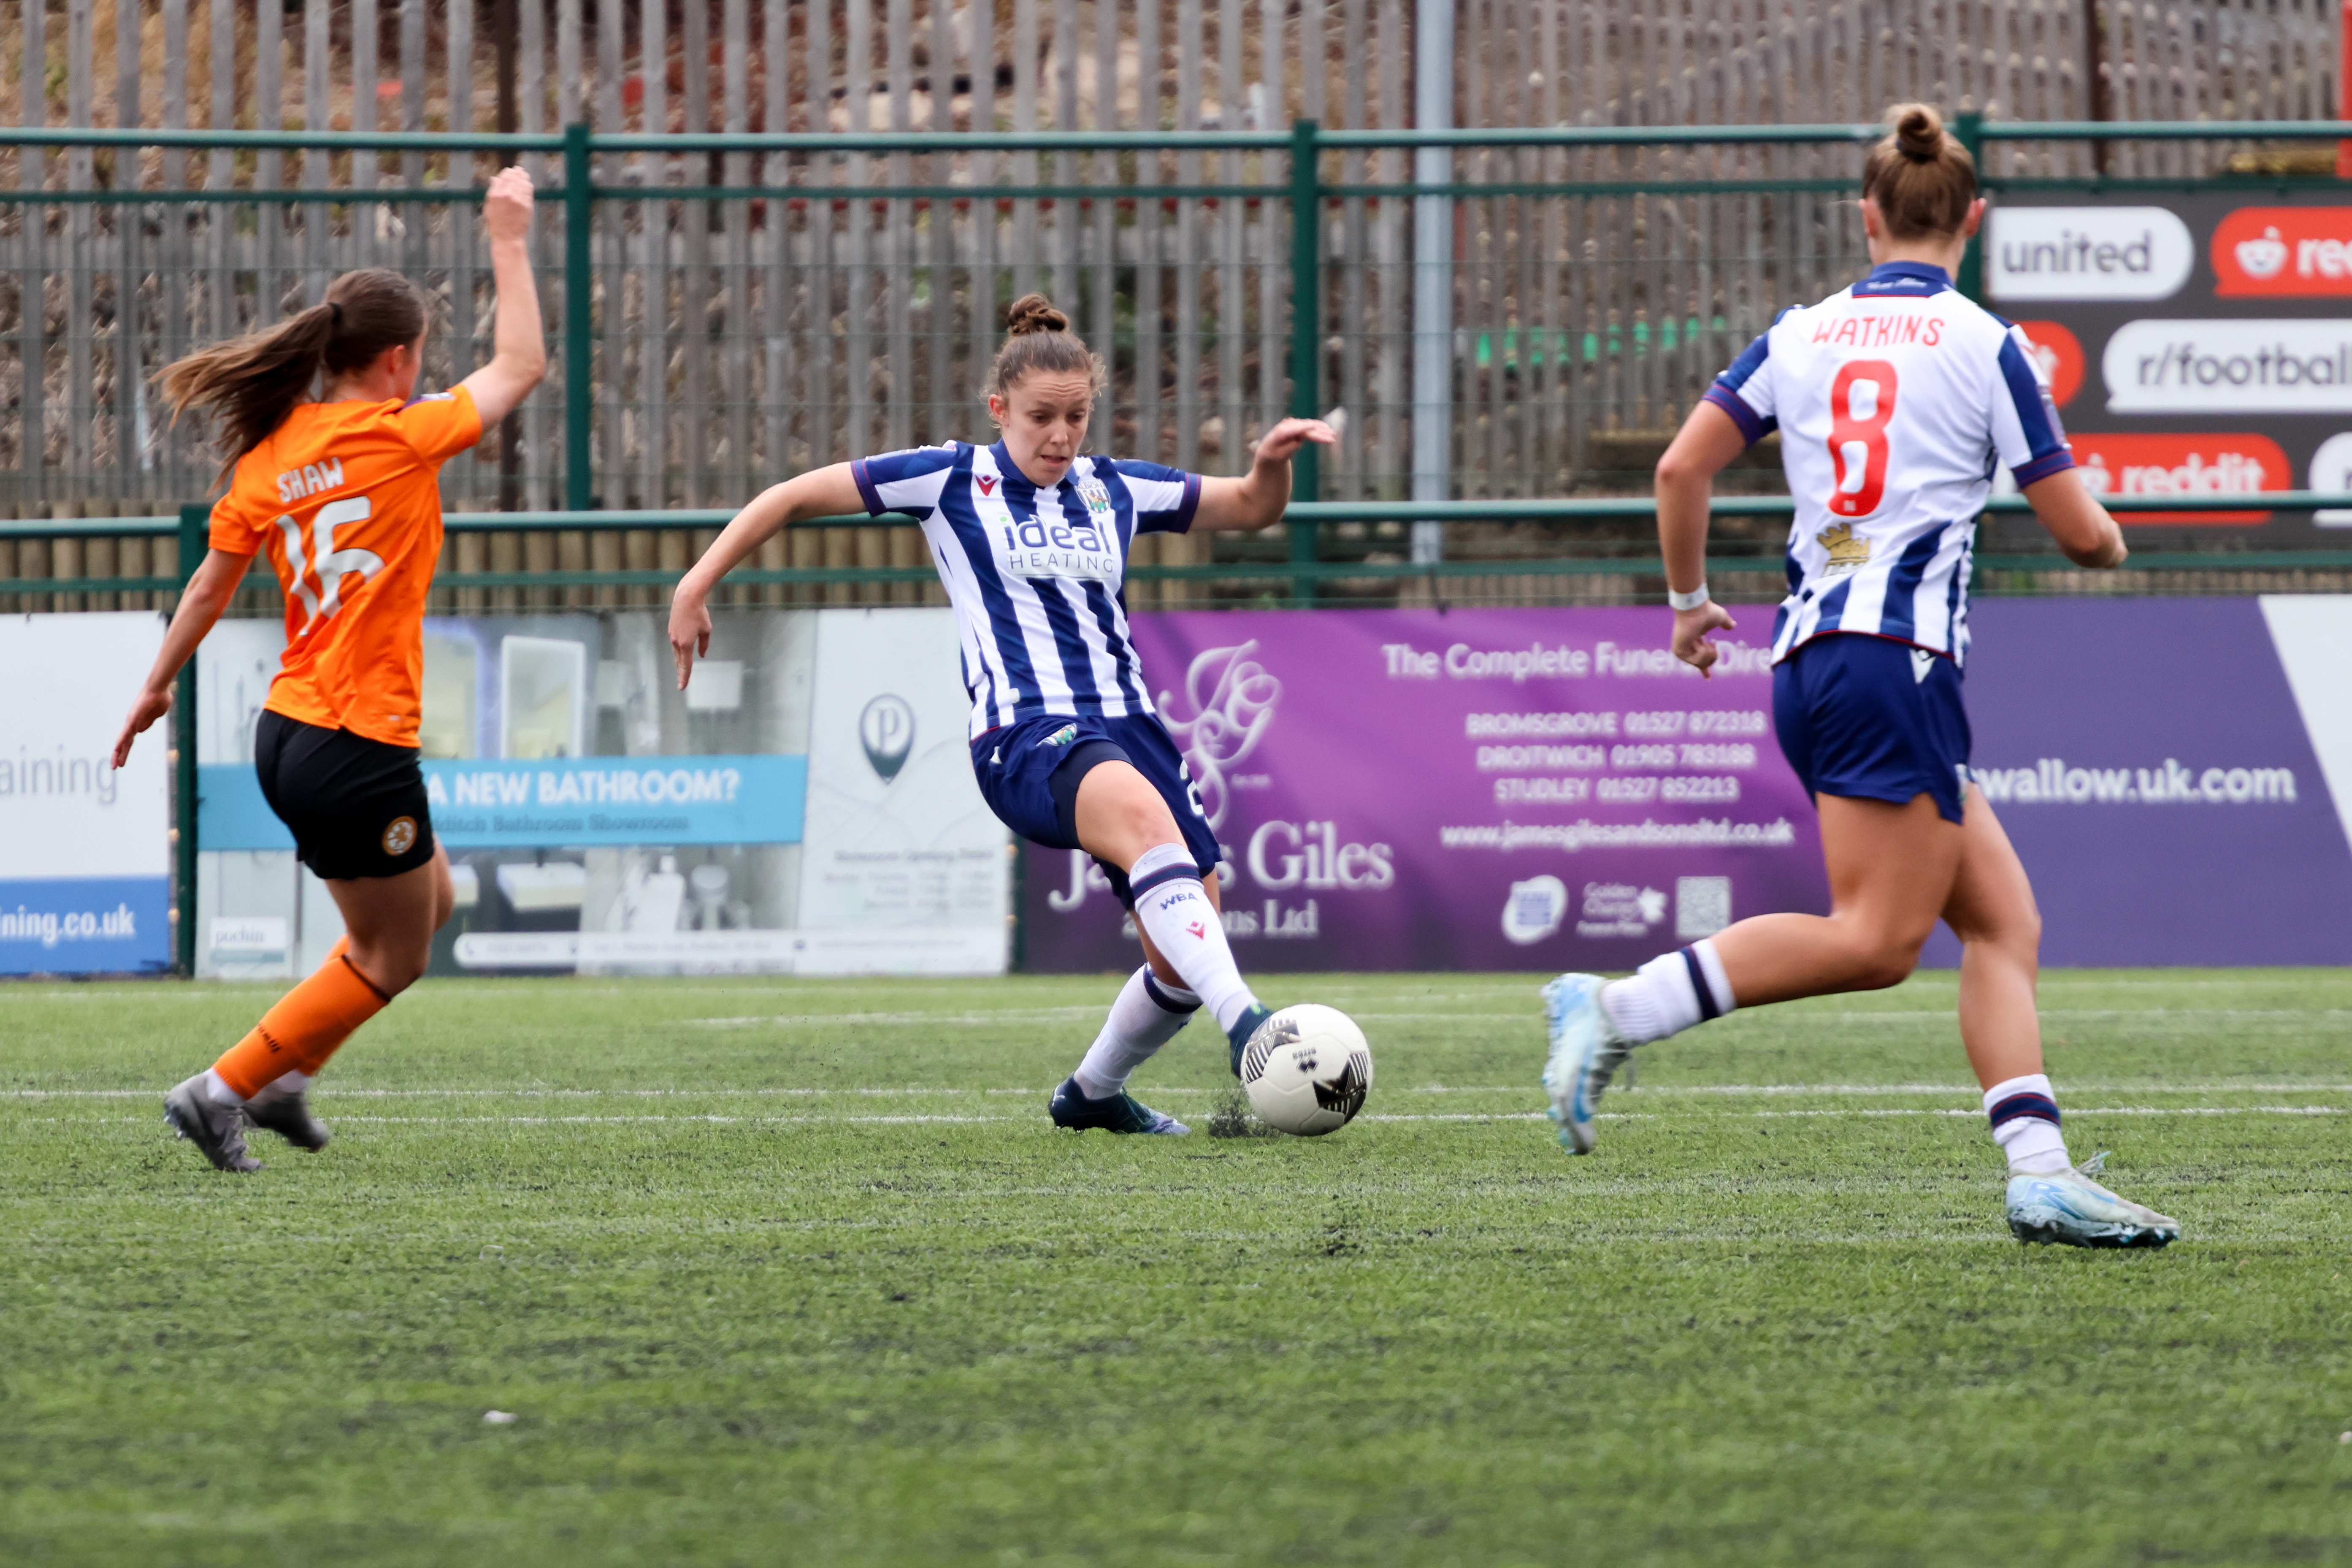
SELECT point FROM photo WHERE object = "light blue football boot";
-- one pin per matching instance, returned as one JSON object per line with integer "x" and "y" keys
{"x": 1585, "y": 1051}
{"x": 2073, "y": 1210}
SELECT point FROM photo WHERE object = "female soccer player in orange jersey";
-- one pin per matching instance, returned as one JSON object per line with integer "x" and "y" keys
{"x": 343, "y": 493}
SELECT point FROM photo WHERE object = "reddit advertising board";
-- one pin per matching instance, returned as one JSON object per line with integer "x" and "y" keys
{"x": 2198, "y": 348}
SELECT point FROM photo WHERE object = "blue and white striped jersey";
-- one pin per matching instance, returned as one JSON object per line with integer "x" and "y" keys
{"x": 1036, "y": 576}
{"x": 1895, "y": 399}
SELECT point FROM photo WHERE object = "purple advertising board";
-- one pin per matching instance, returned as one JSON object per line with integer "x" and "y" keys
{"x": 1479, "y": 789}
{"x": 2151, "y": 763}
{"x": 1550, "y": 789}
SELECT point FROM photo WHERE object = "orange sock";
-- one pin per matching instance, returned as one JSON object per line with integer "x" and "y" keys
{"x": 306, "y": 1026}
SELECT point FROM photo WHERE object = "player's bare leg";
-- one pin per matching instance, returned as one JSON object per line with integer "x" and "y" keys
{"x": 1891, "y": 869}
{"x": 1992, "y": 912}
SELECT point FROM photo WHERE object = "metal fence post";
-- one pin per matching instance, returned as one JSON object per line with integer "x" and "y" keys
{"x": 1967, "y": 129}
{"x": 579, "y": 322}
{"x": 1306, "y": 334}
{"x": 194, "y": 524}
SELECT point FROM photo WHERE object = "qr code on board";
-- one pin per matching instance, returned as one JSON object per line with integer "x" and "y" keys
{"x": 1702, "y": 906}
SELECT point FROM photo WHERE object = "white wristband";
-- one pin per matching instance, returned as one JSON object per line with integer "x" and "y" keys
{"x": 1690, "y": 601}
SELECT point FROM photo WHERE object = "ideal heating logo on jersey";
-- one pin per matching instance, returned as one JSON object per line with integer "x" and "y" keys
{"x": 1036, "y": 548}
{"x": 2052, "y": 782}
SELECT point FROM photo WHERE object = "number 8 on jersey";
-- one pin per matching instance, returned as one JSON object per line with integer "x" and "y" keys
{"x": 1860, "y": 403}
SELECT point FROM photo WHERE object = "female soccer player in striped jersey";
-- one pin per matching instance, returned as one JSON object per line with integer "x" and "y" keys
{"x": 1031, "y": 536}
{"x": 1895, "y": 399}
{"x": 344, "y": 494}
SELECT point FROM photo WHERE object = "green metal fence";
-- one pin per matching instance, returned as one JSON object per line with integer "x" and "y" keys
{"x": 729, "y": 308}
{"x": 1295, "y": 570}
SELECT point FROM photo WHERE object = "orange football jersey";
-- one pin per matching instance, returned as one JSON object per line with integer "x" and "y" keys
{"x": 346, "y": 498}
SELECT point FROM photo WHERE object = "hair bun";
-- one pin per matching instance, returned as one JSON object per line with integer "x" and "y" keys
{"x": 1920, "y": 132}
{"x": 1034, "y": 313}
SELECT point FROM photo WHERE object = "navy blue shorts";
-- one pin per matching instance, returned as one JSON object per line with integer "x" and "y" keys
{"x": 1029, "y": 775}
{"x": 1865, "y": 716}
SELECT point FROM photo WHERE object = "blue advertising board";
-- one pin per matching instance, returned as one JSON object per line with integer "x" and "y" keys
{"x": 585, "y": 801}
{"x": 85, "y": 925}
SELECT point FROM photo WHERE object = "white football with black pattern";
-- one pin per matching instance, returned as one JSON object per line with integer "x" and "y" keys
{"x": 1308, "y": 1070}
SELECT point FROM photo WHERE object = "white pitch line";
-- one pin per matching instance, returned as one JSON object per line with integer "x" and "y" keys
{"x": 1005, "y": 1015}
{"x": 1531, "y": 1014}
{"x": 1856, "y": 1112}
{"x": 1733, "y": 1091}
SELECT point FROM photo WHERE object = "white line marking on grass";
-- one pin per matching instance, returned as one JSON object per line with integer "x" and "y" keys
{"x": 632, "y": 1120}
{"x": 821, "y": 1119}
{"x": 1532, "y": 1013}
{"x": 1005, "y": 1015}
{"x": 333, "y": 1093}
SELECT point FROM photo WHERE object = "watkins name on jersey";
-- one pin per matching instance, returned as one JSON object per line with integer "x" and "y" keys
{"x": 1895, "y": 399}
{"x": 1037, "y": 575}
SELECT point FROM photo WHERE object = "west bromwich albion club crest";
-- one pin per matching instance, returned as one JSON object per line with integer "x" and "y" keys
{"x": 1846, "y": 553}
{"x": 1097, "y": 498}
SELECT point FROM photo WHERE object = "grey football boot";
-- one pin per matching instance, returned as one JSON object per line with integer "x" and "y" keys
{"x": 216, "y": 1129}
{"x": 2073, "y": 1210}
{"x": 287, "y": 1113}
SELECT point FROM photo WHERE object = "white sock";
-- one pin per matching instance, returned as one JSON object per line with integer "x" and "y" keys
{"x": 293, "y": 1081}
{"x": 1172, "y": 909}
{"x": 1668, "y": 995}
{"x": 1147, "y": 1016}
{"x": 217, "y": 1087}
{"x": 2025, "y": 1115}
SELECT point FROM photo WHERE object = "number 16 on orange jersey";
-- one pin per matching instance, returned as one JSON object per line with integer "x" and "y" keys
{"x": 326, "y": 563}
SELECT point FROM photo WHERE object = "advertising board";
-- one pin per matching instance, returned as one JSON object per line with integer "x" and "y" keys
{"x": 598, "y": 820}
{"x": 902, "y": 863}
{"x": 2201, "y": 347}
{"x": 1550, "y": 789}
{"x": 1484, "y": 789}
{"x": 2176, "y": 774}
{"x": 85, "y": 851}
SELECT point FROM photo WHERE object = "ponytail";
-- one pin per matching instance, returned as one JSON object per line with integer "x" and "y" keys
{"x": 254, "y": 382}
{"x": 1922, "y": 178}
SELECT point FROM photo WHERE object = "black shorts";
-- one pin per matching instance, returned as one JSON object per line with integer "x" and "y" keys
{"x": 356, "y": 807}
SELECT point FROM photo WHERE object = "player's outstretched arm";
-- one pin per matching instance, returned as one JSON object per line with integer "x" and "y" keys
{"x": 1257, "y": 499}
{"x": 830, "y": 492}
{"x": 1707, "y": 442}
{"x": 518, "y": 347}
{"x": 200, "y": 603}
{"x": 2086, "y": 532}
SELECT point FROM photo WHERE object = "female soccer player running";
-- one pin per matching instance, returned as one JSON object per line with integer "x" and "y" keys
{"x": 344, "y": 495}
{"x": 1895, "y": 399}
{"x": 1031, "y": 538}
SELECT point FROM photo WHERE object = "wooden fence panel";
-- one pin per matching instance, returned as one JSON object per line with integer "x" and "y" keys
{"x": 741, "y": 339}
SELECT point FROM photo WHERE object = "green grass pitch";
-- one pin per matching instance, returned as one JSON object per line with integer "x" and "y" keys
{"x": 798, "y": 1272}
